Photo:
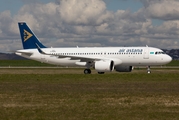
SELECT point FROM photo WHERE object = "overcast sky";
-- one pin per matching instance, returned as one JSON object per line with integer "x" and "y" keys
{"x": 85, "y": 23}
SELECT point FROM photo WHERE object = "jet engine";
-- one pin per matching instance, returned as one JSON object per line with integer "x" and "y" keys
{"x": 122, "y": 68}
{"x": 104, "y": 66}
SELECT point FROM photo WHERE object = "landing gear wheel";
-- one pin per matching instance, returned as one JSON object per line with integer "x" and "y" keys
{"x": 87, "y": 71}
{"x": 148, "y": 70}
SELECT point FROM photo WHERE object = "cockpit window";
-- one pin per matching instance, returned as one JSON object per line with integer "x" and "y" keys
{"x": 160, "y": 52}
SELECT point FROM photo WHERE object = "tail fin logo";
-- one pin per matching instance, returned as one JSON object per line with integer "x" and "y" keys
{"x": 27, "y": 35}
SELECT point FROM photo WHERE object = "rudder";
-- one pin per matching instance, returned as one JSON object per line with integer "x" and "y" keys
{"x": 29, "y": 40}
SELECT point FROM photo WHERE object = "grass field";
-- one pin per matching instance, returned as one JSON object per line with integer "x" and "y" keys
{"x": 68, "y": 94}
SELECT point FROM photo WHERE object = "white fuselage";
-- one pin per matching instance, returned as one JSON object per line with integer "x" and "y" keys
{"x": 130, "y": 56}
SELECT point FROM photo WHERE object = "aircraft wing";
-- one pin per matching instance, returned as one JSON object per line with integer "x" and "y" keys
{"x": 82, "y": 59}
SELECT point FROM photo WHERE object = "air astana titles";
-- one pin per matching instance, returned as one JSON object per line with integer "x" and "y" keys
{"x": 131, "y": 50}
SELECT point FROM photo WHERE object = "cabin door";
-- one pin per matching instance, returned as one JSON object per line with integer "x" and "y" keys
{"x": 146, "y": 53}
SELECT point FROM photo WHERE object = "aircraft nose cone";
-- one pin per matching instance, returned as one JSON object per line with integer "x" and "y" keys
{"x": 168, "y": 59}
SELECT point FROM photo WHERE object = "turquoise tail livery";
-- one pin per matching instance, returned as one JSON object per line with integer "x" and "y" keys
{"x": 29, "y": 40}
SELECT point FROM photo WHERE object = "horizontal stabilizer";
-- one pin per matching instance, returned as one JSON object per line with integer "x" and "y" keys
{"x": 27, "y": 53}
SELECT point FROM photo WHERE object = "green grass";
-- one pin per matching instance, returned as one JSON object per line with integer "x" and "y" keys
{"x": 173, "y": 63}
{"x": 38, "y": 94}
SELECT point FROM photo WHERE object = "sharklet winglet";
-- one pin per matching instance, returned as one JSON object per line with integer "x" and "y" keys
{"x": 39, "y": 49}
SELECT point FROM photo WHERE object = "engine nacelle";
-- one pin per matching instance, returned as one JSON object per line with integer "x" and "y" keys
{"x": 122, "y": 68}
{"x": 104, "y": 66}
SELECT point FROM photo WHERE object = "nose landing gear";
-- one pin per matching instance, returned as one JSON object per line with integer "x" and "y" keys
{"x": 148, "y": 70}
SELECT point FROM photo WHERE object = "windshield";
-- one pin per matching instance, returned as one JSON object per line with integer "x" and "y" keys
{"x": 160, "y": 52}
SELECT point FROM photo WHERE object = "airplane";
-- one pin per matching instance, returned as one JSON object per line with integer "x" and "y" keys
{"x": 102, "y": 59}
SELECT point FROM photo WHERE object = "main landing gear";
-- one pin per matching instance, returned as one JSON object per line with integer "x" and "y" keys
{"x": 148, "y": 70}
{"x": 100, "y": 72}
{"x": 87, "y": 71}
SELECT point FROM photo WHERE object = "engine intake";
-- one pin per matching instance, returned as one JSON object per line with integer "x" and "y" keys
{"x": 104, "y": 66}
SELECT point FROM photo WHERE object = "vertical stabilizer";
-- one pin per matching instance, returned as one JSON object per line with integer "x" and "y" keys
{"x": 29, "y": 40}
